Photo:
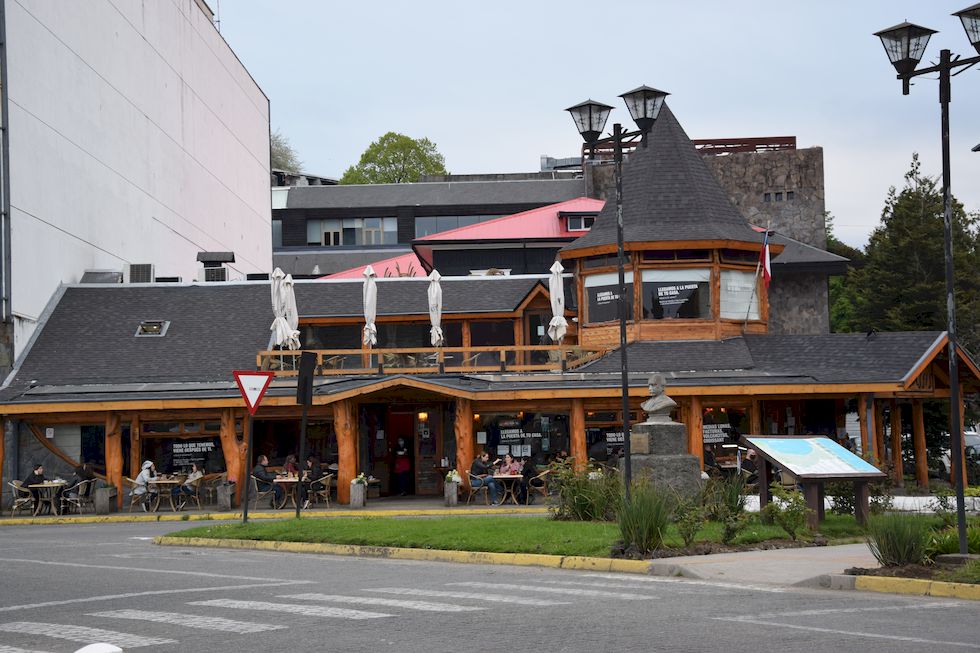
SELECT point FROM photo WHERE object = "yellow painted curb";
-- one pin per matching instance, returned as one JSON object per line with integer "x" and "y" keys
{"x": 120, "y": 518}
{"x": 918, "y": 587}
{"x": 428, "y": 555}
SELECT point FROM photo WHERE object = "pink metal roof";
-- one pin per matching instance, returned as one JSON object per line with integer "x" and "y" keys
{"x": 542, "y": 222}
{"x": 390, "y": 267}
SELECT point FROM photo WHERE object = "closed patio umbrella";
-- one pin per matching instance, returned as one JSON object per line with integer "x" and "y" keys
{"x": 556, "y": 288}
{"x": 284, "y": 334}
{"x": 370, "y": 306}
{"x": 292, "y": 314}
{"x": 435, "y": 309}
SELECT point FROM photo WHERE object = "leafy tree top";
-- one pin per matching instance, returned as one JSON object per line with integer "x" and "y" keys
{"x": 396, "y": 158}
{"x": 282, "y": 154}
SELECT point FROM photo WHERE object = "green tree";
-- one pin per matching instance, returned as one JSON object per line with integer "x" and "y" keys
{"x": 396, "y": 158}
{"x": 841, "y": 301}
{"x": 282, "y": 154}
{"x": 901, "y": 286}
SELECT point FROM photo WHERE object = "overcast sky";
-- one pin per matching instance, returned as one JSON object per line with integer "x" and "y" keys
{"x": 488, "y": 82}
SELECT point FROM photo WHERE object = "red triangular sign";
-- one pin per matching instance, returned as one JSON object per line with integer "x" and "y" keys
{"x": 253, "y": 386}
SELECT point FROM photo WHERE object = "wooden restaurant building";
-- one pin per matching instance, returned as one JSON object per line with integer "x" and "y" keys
{"x": 120, "y": 373}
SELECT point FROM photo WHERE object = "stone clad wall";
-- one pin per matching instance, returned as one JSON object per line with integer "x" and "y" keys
{"x": 799, "y": 304}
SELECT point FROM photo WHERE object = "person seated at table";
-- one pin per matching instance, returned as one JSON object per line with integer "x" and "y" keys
{"x": 290, "y": 468}
{"x": 188, "y": 487}
{"x": 266, "y": 480}
{"x": 482, "y": 474}
{"x": 36, "y": 477}
{"x": 148, "y": 471}
{"x": 509, "y": 466}
{"x": 749, "y": 467}
{"x": 310, "y": 481}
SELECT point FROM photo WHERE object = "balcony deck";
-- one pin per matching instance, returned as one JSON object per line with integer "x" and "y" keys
{"x": 432, "y": 360}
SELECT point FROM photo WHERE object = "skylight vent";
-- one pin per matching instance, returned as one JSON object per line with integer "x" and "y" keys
{"x": 152, "y": 328}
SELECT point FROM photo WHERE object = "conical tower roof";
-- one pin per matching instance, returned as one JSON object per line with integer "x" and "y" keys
{"x": 669, "y": 195}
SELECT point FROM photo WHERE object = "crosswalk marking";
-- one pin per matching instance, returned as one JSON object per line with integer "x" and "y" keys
{"x": 425, "y": 606}
{"x": 82, "y": 634}
{"x": 689, "y": 581}
{"x": 14, "y": 649}
{"x": 557, "y": 590}
{"x": 592, "y": 583}
{"x": 189, "y": 621}
{"x": 490, "y": 598}
{"x": 292, "y": 608}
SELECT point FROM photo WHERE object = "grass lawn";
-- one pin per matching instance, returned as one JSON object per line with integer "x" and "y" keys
{"x": 494, "y": 534}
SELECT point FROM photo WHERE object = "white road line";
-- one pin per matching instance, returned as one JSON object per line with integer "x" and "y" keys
{"x": 82, "y": 634}
{"x": 586, "y": 583}
{"x": 132, "y": 595}
{"x": 140, "y": 570}
{"x": 424, "y": 606}
{"x": 687, "y": 581}
{"x": 489, "y": 598}
{"x": 291, "y": 608}
{"x": 852, "y": 633}
{"x": 877, "y": 608}
{"x": 14, "y": 649}
{"x": 558, "y": 590}
{"x": 188, "y": 621}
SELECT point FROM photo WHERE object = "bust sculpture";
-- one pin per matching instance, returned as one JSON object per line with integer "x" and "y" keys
{"x": 659, "y": 405}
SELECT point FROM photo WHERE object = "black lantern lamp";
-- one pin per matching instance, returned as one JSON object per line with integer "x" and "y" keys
{"x": 970, "y": 17}
{"x": 905, "y": 44}
{"x": 644, "y": 104}
{"x": 590, "y": 119}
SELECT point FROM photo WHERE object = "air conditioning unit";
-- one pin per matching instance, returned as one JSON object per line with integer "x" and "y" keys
{"x": 215, "y": 274}
{"x": 139, "y": 273}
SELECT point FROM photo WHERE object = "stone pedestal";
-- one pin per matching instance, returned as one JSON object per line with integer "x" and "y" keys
{"x": 226, "y": 497}
{"x": 105, "y": 500}
{"x": 659, "y": 454}
{"x": 358, "y": 495}
{"x": 451, "y": 492}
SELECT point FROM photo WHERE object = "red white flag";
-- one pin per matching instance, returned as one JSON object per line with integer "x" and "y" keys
{"x": 764, "y": 262}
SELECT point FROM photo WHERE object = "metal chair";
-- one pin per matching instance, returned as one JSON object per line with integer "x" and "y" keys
{"x": 476, "y": 490}
{"x": 23, "y": 499}
{"x": 134, "y": 499}
{"x": 541, "y": 488}
{"x": 195, "y": 497}
{"x": 323, "y": 492}
{"x": 255, "y": 495}
{"x": 78, "y": 496}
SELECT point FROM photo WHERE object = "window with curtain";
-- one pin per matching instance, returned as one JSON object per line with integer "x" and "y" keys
{"x": 677, "y": 294}
{"x": 738, "y": 298}
{"x": 602, "y": 297}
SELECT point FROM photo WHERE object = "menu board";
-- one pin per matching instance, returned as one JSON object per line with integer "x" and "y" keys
{"x": 813, "y": 457}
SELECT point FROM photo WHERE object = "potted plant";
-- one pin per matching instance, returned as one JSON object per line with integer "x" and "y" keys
{"x": 358, "y": 491}
{"x": 451, "y": 487}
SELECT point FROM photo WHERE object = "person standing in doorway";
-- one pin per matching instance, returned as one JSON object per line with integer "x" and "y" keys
{"x": 403, "y": 467}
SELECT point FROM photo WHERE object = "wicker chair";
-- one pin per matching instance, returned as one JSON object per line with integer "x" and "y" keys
{"x": 23, "y": 499}
{"x": 134, "y": 499}
{"x": 541, "y": 488}
{"x": 195, "y": 497}
{"x": 485, "y": 489}
{"x": 315, "y": 496}
{"x": 78, "y": 496}
{"x": 255, "y": 495}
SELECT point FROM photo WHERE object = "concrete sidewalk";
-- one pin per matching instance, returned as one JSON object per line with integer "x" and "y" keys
{"x": 777, "y": 566}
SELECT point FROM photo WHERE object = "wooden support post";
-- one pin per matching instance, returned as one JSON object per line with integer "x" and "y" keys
{"x": 821, "y": 500}
{"x": 755, "y": 418}
{"x": 919, "y": 444}
{"x": 695, "y": 430}
{"x": 879, "y": 417}
{"x": 765, "y": 480}
{"x": 811, "y": 490}
{"x": 233, "y": 451}
{"x": 861, "y": 501}
{"x": 463, "y": 428}
{"x": 576, "y": 426}
{"x": 135, "y": 446}
{"x": 344, "y": 427}
{"x": 896, "y": 442}
{"x": 863, "y": 423}
{"x": 114, "y": 456}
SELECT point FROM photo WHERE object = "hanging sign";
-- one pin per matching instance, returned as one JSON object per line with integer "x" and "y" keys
{"x": 253, "y": 386}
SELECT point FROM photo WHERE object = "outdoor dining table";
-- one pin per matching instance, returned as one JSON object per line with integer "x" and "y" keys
{"x": 47, "y": 494}
{"x": 164, "y": 485}
{"x": 509, "y": 483}
{"x": 289, "y": 485}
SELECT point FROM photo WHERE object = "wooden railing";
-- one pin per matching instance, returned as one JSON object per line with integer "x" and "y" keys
{"x": 432, "y": 360}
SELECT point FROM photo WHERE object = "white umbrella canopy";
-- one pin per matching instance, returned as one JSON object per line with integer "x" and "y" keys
{"x": 556, "y": 288}
{"x": 370, "y": 306}
{"x": 435, "y": 308}
{"x": 283, "y": 330}
{"x": 292, "y": 314}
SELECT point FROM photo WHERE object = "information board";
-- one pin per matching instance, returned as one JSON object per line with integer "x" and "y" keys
{"x": 814, "y": 457}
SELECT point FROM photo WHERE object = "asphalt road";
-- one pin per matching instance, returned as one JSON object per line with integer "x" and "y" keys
{"x": 62, "y": 587}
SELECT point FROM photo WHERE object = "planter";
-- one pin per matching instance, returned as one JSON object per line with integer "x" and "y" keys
{"x": 105, "y": 500}
{"x": 226, "y": 496}
{"x": 451, "y": 492}
{"x": 358, "y": 495}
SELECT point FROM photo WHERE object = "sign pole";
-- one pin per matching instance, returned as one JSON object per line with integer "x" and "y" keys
{"x": 302, "y": 459}
{"x": 252, "y": 386}
{"x": 247, "y": 472}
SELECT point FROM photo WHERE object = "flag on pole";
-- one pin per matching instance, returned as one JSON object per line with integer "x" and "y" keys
{"x": 764, "y": 262}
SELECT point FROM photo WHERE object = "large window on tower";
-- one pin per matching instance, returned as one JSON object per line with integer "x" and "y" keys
{"x": 602, "y": 297}
{"x": 677, "y": 294}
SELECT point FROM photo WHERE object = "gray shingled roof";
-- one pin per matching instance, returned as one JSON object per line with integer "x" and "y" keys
{"x": 801, "y": 256}
{"x": 301, "y": 260}
{"x": 454, "y": 193}
{"x": 669, "y": 194}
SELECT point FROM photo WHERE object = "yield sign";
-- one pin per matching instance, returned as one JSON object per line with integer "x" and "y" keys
{"x": 253, "y": 386}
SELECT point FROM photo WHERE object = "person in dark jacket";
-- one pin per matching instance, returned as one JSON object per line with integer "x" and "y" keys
{"x": 266, "y": 480}
{"x": 34, "y": 478}
{"x": 309, "y": 483}
{"x": 481, "y": 473}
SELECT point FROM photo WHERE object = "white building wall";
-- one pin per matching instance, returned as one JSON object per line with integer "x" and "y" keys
{"x": 136, "y": 136}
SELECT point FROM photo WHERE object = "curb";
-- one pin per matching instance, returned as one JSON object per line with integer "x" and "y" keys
{"x": 581, "y": 563}
{"x": 888, "y": 585}
{"x": 225, "y": 516}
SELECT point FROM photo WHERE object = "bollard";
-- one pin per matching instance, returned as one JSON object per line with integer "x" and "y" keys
{"x": 105, "y": 500}
{"x": 358, "y": 495}
{"x": 452, "y": 493}
{"x": 226, "y": 497}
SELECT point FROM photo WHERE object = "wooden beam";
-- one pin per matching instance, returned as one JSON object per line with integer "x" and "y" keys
{"x": 135, "y": 444}
{"x": 919, "y": 444}
{"x": 695, "y": 430}
{"x": 463, "y": 429}
{"x": 49, "y": 445}
{"x": 233, "y": 450}
{"x": 863, "y": 423}
{"x": 576, "y": 427}
{"x": 114, "y": 455}
{"x": 896, "y": 442}
{"x": 755, "y": 418}
{"x": 345, "y": 428}
{"x": 879, "y": 431}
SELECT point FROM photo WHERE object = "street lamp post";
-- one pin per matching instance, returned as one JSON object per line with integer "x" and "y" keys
{"x": 644, "y": 104}
{"x": 905, "y": 44}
